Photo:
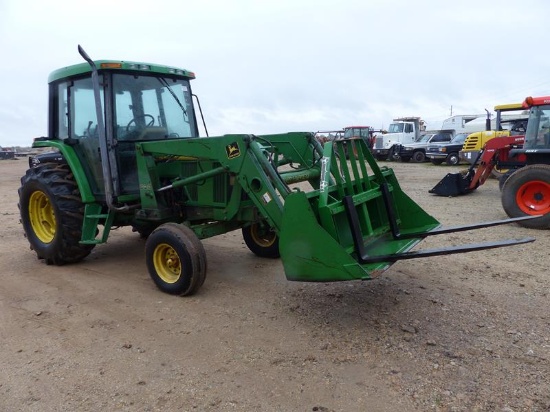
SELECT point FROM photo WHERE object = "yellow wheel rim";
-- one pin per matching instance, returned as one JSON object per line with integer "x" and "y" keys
{"x": 167, "y": 263}
{"x": 262, "y": 237}
{"x": 42, "y": 217}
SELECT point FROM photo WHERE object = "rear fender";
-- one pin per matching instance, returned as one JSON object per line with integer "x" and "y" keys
{"x": 68, "y": 155}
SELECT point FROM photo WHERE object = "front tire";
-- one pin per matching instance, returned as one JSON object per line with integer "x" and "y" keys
{"x": 527, "y": 192}
{"x": 504, "y": 177}
{"x": 419, "y": 156}
{"x": 452, "y": 159}
{"x": 52, "y": 213}
{"x": 176, "y": 259}
{"x": 261, "y": 240}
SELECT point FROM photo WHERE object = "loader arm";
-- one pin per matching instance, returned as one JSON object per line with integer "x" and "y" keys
{"x": 495, "y": 153}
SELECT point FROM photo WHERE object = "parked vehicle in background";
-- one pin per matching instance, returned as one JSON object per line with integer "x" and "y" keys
{"x": 365, "y": 133}
{"x": 525, "y": 191}
{"x": 446, "y": 152}
{"x": 463, "y": 123}
{"x": 511, "y": 120}
{"x": 6, "y": 153}
{"x": 402, "y": 130}
{"x": 329, "y": 135}
{"x": 417, "y": 151}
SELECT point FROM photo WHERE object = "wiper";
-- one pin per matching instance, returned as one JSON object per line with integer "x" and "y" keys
{"x": 165, "y": 84}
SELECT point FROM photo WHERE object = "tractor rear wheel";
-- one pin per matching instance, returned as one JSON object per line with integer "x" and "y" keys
{"x": 176, "y": 259}
{"x": 527, "y": 192}
{"x": 52, "y": 213}
{"x": 261, "y": 240}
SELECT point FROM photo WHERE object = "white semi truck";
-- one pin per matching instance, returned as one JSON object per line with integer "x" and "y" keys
{"x": 401, "y": 131}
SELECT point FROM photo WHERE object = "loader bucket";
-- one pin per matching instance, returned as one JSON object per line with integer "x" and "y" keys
{"x": 453, "y": 184}
{"x": 358, "y": 221}
{"x": 318, "y": 238}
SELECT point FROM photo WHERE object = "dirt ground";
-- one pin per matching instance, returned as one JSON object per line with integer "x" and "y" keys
{"x": 466, "y": 332}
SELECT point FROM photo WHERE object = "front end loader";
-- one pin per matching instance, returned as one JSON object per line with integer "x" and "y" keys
{"x": 496, "y": 152}
{"x": 129, "y": 154}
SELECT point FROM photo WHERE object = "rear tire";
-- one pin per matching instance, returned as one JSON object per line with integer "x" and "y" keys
{"x": 261, "y": 240}
{"x": 176, "y": 259}
{"x": 527, "y": 192}
{"x": 52, "y": 213}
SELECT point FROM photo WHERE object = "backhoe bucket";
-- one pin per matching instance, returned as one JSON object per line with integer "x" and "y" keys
{"x": 453, "y": 184}
{"x": 357, "y": 222}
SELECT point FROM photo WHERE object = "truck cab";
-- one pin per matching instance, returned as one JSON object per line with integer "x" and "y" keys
{"x": 446, "y": 152}
{"x": 403, "y": 130}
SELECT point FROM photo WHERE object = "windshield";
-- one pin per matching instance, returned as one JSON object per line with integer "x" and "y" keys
{"x": 356, "y": 132}
{"x": 425, "y": 138}
{"x": 459, "y": 138}
{"x": 151, "y": 107}
{"x": 395, "y": 128}
{"x": 537, "y": 135}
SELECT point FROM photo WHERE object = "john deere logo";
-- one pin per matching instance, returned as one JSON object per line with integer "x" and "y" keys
{"x": 232, "y": 150}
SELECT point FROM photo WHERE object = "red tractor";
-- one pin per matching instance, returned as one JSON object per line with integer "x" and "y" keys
{"x": 526, "y": 187}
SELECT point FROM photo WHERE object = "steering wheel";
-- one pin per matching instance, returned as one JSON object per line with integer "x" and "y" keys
{"x": 144, "y": 116}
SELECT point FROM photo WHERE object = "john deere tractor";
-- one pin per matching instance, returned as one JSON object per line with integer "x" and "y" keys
{"x": 128, "y": 153}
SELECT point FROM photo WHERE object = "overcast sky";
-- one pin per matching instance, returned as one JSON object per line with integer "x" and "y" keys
{"x": 287, "y": 65}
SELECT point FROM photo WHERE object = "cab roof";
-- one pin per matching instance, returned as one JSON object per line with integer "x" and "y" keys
{"x": 114, "y": 65}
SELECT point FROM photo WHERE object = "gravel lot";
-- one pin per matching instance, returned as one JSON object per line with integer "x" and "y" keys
{"x": 466, "y": 332}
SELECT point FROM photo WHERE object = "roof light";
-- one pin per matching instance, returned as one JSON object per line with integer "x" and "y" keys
{"x": 111, "y": 65}
{"x": 528, "y": 102}
{"x": 137, "y": 66}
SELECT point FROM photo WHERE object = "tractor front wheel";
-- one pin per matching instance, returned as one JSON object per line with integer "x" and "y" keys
{"x": 527, "y": 192}
{"x": 504, "y": 177}
{"x": 176, "y": 259}
{"x": 261, "y": 240}
{"x": 52, "y": 213}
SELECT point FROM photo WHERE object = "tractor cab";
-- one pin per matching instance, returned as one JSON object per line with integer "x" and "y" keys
{"x": 537, "y": 136}
{"x": 360, "y": 132}
{"x": 141, "y": 102}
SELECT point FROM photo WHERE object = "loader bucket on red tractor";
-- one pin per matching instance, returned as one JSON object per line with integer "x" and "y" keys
{"x": 453, "y": 184}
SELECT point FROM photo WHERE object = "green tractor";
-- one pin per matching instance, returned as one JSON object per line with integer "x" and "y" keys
{"x": 127, "y": 152}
